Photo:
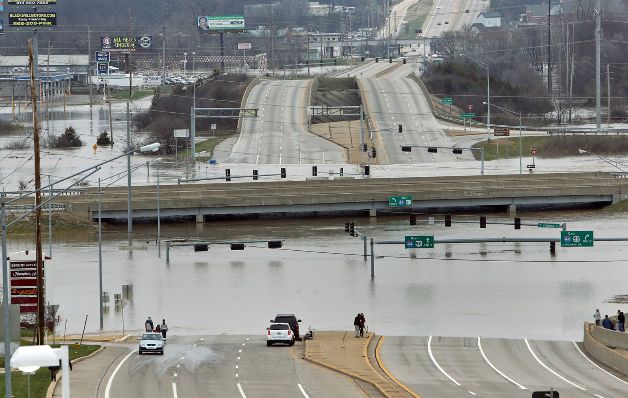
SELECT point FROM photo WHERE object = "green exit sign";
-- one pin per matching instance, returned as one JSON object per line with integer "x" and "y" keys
{"x": 400, "y": 201}
{"x": 419, "y": 242}
{"x": 548, "y": 225}
{"x": 467, "y": 115}
{"x": 576, "y": 238}
{"x": 447, "y": 101}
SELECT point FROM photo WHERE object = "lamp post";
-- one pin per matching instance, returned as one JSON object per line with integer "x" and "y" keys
{"x": 185, "y": 63}
{"x": 512, "y": 113}
{"x": 193, "y": 54}
{"x": 157, "y": 163}
{"x": 3, "y": 228}
{"x": 488, "y": 92}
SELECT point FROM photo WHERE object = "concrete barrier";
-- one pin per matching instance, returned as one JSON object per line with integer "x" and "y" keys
{"x": 245, "y": 97}
{"x": 610, "y": 338}
{"x": 603, "y": 354}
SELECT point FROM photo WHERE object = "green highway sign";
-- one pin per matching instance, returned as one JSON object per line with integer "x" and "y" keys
{"x": 467, "y": 115}
{"x": 576, "y": 238}
{"x": 419, "y": 242}
{"x": 547, "y": 225}
{"x": 447, "y": 101}
{"x": 400, "y": 201}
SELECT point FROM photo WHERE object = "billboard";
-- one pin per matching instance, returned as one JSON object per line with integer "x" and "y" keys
{"x": 24, "y": 284}
{"x": 32, "y": 19}
{"x": 220, "y": 23}
{"x": 31, "y": 2}
{"x": 126, "y": 43}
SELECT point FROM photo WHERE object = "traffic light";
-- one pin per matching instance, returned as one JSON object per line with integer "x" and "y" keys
{"x": 255, "y": 175}
{"x": 367, "y": 170}
{"x": 517, "y": 223}
{"x": 314, "y": 171}
{"x": 237, "y": 246}
{"x": 374, "y": 153}
{"x": 406, "y": 149}
{"x": 335, "y": 61}
{"x": 448, "y": 220}
{"x": 227, "y": 174}
{"x": 362, "y": 59}
{"x": 352, "y": 229}
{"x": 390, "y": 60}
{"x": 201, "y": 247}
{"x": 283, "y": 172}
{"x": 401, "y": 128}
{"x": 412, "y": 219}
{"x": 404, "y": 61}
{"x": 364, "y": 148}
{"x": 275, "y": 244}
{"x": 347, "y": 227}
{"x": 376, "y": 59}
{"x": 482, "y": 222}
{"x": 552, "y": 247}
{"x": 432, "y": 150}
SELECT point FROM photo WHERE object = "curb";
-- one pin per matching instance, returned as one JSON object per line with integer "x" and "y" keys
{"x": 53, "y": 384}
{"x": 245, "y": 97}
{"x": 397, "y": 65}
{"x": 387, "y": 372}
{"x": 371, "y": 123}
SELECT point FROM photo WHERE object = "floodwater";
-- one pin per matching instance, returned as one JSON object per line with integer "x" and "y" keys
{"x": 494, "y": 290}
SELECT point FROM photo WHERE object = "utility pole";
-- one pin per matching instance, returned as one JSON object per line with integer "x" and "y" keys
{"x": 598, "y": 37}
{"x": 129, "y": 59}
{"x": 128, "y": 172}
{"x": 38, "y": 246}
{"x": 163, "y": 59}
{"x": 608, "y": 93}
{"x": 387, "y": 29}
{"x": 549, "y": 47}
{"x": 89, "y": 66}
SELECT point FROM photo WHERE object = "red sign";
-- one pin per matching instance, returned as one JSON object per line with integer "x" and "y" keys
{"x": 24, "y": 300}
{"x": 28, "y": 309}
{"x": 24, "y": 282}
{"x": 23, "y": 265}
{"x": 23, "y": 291}
{"x": 533, "y": 151}
{"x": 23, "y": 274}
{"x": 469, "y": 108}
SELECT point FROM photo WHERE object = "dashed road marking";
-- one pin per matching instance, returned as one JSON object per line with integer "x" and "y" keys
{"x": 174, "y": 390}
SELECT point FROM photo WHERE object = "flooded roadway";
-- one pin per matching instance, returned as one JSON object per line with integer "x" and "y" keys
{"x": 492, "y": 290}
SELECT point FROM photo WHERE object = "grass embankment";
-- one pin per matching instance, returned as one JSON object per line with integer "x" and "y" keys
{"x": 62, "y": 222}
{"x": 207, "y": 146}
{"x": 415, "y": 16}
{"x": 137, "y": 94}
{"x": 552, "y": 146}
{"x": 41, "y": 379}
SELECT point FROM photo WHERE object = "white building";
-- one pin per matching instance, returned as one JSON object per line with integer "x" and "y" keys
{"x": 490, "y": 19}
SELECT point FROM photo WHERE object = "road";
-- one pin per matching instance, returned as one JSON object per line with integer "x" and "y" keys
{"x": 279, "y": 134}
{"x": 367, "y": 69}
{"x": 394, "y": 24}
{"x": 448, "y": 367}
{"x": 227, "y": 366}
{"x": 395, "y": 99}
{"x": 449, "y": 15}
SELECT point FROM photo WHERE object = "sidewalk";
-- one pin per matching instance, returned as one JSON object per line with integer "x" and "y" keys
{"x": 88, "y": 376}
{"x": 344, "y": 353}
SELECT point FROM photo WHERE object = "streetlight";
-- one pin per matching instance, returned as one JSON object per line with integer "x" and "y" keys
{"x": 185, "y": 63}
{"x": 511, "y": 113}
{"x": 488, "y": 92}
{"x": 193, "y": 54}
{"x": 3, "y": 228}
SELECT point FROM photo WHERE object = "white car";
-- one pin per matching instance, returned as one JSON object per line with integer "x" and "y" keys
{"x": 279, "y": 333}
{"x": 151, "y": 342}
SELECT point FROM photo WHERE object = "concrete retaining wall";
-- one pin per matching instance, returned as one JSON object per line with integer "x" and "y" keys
{"x": 610, "y": 338}
{"x": 603, "y": 354}
{"x": 245, "y": 97}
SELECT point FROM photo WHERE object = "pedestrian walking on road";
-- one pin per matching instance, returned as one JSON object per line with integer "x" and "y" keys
{"x": 597, "y": 317}
{"x": 356, "y": 325}
{"x": 148, "y": 325}
{"x": 362, "y": 324}
{"x": 164, "y": 329}
{"x": 621, "y": 321}
{"x": 607, "y": 323}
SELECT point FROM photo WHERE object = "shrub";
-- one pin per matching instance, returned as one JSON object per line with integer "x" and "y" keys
{"x": 68, "y": 139}
{"x": 103, "y": 138}
{"x": 19, "y": 144}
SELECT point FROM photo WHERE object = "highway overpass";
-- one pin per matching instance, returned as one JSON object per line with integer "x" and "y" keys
{"x": 343, "y": 195}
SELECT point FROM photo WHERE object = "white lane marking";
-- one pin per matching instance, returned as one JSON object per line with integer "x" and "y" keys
{"x": 429, "y": 351}
{"x": 550, "y": 370}
{"x": 239, "y": 351}
{"x": 236, "y": 375}
{"x": 238, "y": 358}
{"x": 303, "y": 391}
{"x": 175, "y": 375}
{"x": 115, "y": 371}
{"x": 202, "y": 338}
{"x": 247, "y": 339}
{"x": 472, "y": 393}
{"x": 495, "y": 369}
{"x": 598, "y": 396}
{"x": 174, "y": 390}
{"x": 237, "y": 366}
{"x": 241, "y": 392}
{"x": 597, "y": 366}
{"x": 178, "y": 366}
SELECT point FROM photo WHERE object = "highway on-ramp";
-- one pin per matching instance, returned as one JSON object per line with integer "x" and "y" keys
{"x": 452, "y": 367}
{"x": 227, "y": 366}
{"x": 449, "y": 15}
{"x": 394, "y": 99}
{"x": 279, "y": 134}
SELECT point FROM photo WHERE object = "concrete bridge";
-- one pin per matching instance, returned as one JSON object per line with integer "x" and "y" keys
{"x": 368, "y": 196}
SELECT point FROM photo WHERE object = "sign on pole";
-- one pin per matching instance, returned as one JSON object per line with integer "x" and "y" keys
{"x": 419, "y": 242}
{"x": 126, "y": 43}
{"x": 400, "y": 201}
{"x": 244, "y": 46}
{"x": 531, "y": 166}
{"x": 103, "y": 56}
{"x": 32, "y": 19}
{"x": 547, "y": 225}
{"x": 102, "y": 68}
{"x": 181, "y": 133}
{"x": 501, "y": 132}
{"x": 212, "y": 23}
{"x": 467, "y": 115}
{"x": 576, "y": 238}
{"x": 447, "y": 101}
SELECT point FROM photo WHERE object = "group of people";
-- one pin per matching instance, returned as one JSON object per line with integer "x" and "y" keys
{"x": 360, "y": 324}
{"x": 608, "y": 323}
{"x": 150, "y": 327}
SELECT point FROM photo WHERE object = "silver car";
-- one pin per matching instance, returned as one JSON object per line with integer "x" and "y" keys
{"x": 279, "y": 333}
{"x": 151, "y": 342}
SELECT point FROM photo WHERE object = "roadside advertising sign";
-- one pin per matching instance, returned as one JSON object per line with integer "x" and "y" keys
{"x": 501, "y": 132}
{"x": 214, "y": 23}
{"x": 24, "y": 284}
{"x": 103, "y": 56}
{"x": 32, "y": 2}
{"x": 126, "y": 43}
{"x": 28, "y": 19}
